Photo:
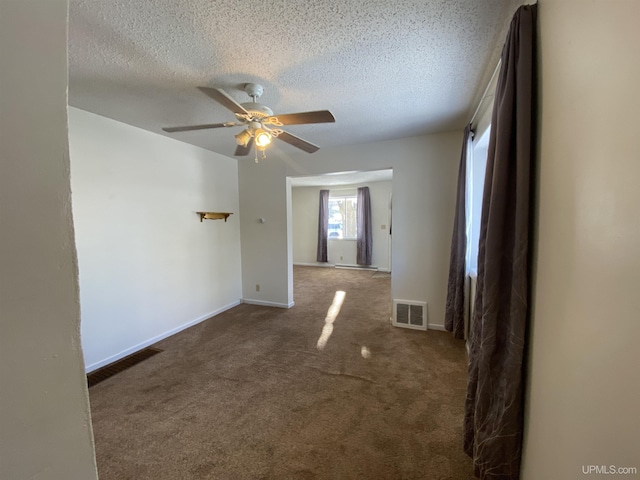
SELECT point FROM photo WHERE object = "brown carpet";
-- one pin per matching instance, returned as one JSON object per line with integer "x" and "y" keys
{"x": 248, "y": 395}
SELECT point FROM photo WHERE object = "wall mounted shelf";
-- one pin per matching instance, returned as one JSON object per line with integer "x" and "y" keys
{"x": 214, "y": 215}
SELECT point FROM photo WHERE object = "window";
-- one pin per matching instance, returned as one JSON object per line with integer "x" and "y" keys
{"x": 343, "y": 212}
{"x": 476, "y": 167}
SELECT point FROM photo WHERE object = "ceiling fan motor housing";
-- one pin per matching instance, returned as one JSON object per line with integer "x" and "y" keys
{"x": 257, "y": 109}
{"x": 254, "y": 108}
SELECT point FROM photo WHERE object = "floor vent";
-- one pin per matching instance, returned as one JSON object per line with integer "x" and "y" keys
{"x": 410, "y": 314}
{"x": 120, "y": 365}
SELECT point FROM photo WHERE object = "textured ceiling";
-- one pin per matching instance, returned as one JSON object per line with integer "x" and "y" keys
{"x": 385, "y": 69}
{"x": 343, "y": 178}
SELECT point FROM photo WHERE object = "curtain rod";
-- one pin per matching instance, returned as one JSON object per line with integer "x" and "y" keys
{"x": 486, "y": 90}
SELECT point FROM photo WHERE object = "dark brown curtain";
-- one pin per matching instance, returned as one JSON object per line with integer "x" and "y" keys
{"x": 323, "y": 226}
{"x": 364, "y": 244}
{"x": 454, "y": 314}
{"x": 494, "y": 404}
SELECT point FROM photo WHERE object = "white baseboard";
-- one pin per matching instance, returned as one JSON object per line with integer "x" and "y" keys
{"x": 267, "y": 304}
{"x": 356, "y": 267}
{"x": 317, "y": 264}
{"x": 435, "y": 326}
{"x": 337, "y": 265}
{"x": 162, "y": 336}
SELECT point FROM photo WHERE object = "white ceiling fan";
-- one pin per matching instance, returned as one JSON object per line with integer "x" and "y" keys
{"x": 258, "y": 121}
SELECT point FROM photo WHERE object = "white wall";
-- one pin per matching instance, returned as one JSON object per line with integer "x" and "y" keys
{"x": 45, "y": 427}
{"x": 583, "y": 386}
{"x": 264, "y": 189}
{"x": 424, "y": 183}
{"x": 148, "y": 266}
{"x": 305, "y": 226}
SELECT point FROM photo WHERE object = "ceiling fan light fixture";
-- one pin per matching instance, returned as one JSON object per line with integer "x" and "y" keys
{"x": 243, "y": 137}
{"x": 263, "y": 138}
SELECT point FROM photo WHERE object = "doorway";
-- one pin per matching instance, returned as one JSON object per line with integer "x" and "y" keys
{"x": 341, "y": 235}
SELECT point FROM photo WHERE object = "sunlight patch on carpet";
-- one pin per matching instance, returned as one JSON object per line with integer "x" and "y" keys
{"x": 332, "y": 314}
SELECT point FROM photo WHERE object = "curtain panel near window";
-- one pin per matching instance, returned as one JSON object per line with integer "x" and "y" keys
{"x": 494, "y": 407}
{"x": 364, "y": 239}
{"x": 454, "y": 314}
{"x": 323, "y": 226}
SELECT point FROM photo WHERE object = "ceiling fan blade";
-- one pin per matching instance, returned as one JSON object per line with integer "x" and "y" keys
{"x": 201, "y": 127}
{"x": 242, "y": 150}
{"x": 297, "y": 142}
{"x": 224, "y": 99}
{"x": 318, "y": 116}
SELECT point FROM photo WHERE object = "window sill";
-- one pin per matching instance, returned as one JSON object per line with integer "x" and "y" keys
{"x": 353, "y": 239}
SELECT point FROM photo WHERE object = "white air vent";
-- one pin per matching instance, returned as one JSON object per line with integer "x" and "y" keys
{"x": 410, "y": 314}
